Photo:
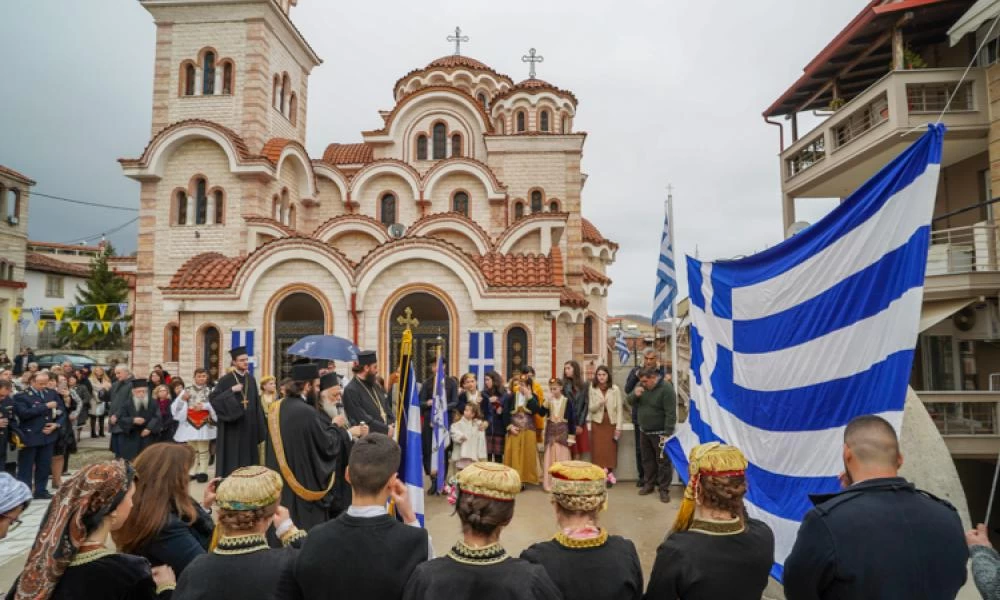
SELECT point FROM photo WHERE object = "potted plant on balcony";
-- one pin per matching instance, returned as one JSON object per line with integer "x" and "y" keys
{"x": 835, "y": 104}
{"x": 912, "y": 60}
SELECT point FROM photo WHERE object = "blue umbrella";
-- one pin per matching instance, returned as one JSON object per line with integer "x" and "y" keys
{"x": 328, "y": 347}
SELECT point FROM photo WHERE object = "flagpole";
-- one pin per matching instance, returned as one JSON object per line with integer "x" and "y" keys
{"x": 673, "y": 303}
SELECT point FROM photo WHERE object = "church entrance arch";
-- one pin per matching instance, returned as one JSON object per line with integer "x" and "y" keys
{"x": 297, "y": 315}
{"x": 430, "y": 319}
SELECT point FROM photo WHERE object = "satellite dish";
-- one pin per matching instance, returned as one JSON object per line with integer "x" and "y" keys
{"x": 795, "y": 227}
{"x": 396, "y": 230}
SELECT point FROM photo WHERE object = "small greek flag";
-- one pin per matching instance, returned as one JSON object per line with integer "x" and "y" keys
{"x": 622, "y": 347}
{"x": 666, "y": 276}
{"x": 439, "y": 420}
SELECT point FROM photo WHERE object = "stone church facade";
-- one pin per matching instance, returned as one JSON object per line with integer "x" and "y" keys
{"x": 459, "y": 212}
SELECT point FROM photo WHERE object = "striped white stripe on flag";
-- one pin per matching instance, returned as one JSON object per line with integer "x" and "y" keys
{"x": 789, "y": 345}
{"x": 622, "y": 347}
{"x": 412, "y": 467}
{"x": 666, "y": 277}
{"x": 245, "y": 337}
{"x": 481, "y": 354}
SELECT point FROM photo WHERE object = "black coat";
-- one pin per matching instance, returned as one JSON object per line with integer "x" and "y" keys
{"x": 242, "y": 429}
{"x": 359, "y": 406}
{"x": 178, "y": 543}
{"x": 121, "y": 392}
{"x": 133, "y": 442}
{"x": 610, "y": 571}
{"x": 880, "y": 539}
{"x": 111, "y": 577}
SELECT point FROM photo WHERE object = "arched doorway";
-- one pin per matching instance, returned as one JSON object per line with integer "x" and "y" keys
{"x": 297, "y": 316}
{"x": 428, "y": 318}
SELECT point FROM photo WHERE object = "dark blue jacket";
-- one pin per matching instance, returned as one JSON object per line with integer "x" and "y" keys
{"x": 33, "y": 416}
{"x": 178, "y": 543}
{"x": 880, "y": 539}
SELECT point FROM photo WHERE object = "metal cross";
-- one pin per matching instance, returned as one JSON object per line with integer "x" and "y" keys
{"x": 409, "y": 321}
{"x": 458, "y": 38}
{"x": 531, "y": 59}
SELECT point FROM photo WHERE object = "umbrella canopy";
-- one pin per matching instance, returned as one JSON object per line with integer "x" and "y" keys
{"x": 328, "y": 347}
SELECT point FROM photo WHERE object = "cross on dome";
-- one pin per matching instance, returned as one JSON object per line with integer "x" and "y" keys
{"x": 531, "y": 58}
{"x": 458, "y": 38}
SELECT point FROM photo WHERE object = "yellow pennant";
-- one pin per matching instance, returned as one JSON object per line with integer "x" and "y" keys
{"x": 105, "y": 324}
{"x": 74, "y": 325}
{"x": 41, "y": 324}
{"x": 101, "y": 309}
{"x": 15, "y": 313}
{"x": 58, "y": 311}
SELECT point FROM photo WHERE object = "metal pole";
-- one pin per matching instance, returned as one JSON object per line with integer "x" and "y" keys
{"x": 673, "y": 304}
{"x": 993, "y": 491}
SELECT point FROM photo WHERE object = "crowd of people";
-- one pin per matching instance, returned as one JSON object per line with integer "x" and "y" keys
{"x": 306, "y": 501}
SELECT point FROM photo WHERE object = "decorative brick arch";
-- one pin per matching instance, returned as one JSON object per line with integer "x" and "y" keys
{"x": 454, "y": 331}
{"x": 271, "y": 311}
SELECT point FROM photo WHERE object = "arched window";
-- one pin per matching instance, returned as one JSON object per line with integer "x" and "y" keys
{"x": 211, "y": 351}
{"x": 518, "y": 210}
{"x": 172, "y": 344}
{"x": 543, "y": 119}
{"x": 517, "y": 350}
{"x": 387, "y": 209}
{"x": 460, "y": 203}
{"x": 482, "y": 99}
{"x": 219, "y": 206}
{"x": 520, "y": 121}
{"x": 208, "y": 74}
{"x": 200, "y": 202}
{"x": 421, "y": 147}
{"x": 284, "y": 207}
{"x": 188, "y": 76}
{"x": 536, "y": 202}
{"x": 553, "y": 206}
{"x": 275, "y": 93}
{"x": 291, "y": 216}
{"x": 284, "y": 92}
{"x": 501, "y": 126}
{"x": 276, "y": 208}
{"x": 182, "y": 208}
{"x": 565, "y": 125}
{"x": 227, "y": 77}
{"x": 14, "y": 203}
{"x": 588, "y": 335}
{"x": 456, "y": 145}
{"x": 440, "y": 135}
{"x": 293, "y": 108}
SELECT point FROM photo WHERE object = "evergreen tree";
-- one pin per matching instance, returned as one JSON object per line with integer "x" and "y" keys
{"x": 103, "y": 287}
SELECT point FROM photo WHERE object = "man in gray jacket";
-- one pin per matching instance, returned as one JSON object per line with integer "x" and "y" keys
{"x": 121, "y": 392}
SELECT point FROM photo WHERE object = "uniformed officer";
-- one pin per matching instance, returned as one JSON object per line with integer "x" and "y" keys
{"x": 880, "y": 538}
{"x": 41, "y": 416}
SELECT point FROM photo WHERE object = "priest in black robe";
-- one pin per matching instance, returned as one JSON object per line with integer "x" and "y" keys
{"x": 307, "y": 448}
{"x": 139, "y": 420}
{"x": 365, "y": 402}
{"x": 236, "y": 400}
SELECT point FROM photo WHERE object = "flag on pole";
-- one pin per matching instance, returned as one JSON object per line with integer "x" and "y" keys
{"x": 481, "y": 355}
{"x": 245, "y": 337}
{"x": 666, "y": 277}
{"x": 622, "y": 347}
{"x": 408, "y": 433}
{"x": 439, "y": 421}
{"x": 789, "y": 345}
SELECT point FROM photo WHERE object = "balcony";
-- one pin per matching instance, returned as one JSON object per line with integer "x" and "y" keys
{"x": 852, "y": 144}
{"x": 966, "y": 420}
{"x": 962, "y": 262}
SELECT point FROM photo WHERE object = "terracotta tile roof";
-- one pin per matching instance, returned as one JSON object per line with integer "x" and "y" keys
{"x": 349, "y": 154}
{"x": 592, "y": 235}
{"x": 530, "y": 85}
{"x": 574, "y": 299}
{"x": 48, "y": 264}
{"x": 272, "y": 149}
{"x": 453, "y": 62}
{"x": 58, "y": 246}
{"x": 594, "y": 275}
{"x": 208, "y": 271}
{"x": 237, "y": 141}
{"x": 555, "y": 256}
{"x": 516, "y": 270}
{"x": 7, "y": 171}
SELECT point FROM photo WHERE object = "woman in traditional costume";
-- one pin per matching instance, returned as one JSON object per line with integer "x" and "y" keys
{"x": 560, "y": 430}
{"x": 714, "y": 549}
{"x": 196, "y": 423}
{"x": 521, "y": 450}
{"x": 478, "y": 566}
{"x": 582, "y": 559}
{"x": 70, "y": 559}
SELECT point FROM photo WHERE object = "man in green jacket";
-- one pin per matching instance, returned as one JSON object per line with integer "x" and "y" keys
{"x": 657, "y": 404}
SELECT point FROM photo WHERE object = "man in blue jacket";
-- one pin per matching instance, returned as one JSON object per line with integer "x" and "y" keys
{"x": 41, "y": 414}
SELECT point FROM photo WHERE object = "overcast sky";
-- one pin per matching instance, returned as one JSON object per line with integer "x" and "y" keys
{"x": 670, "y": 92}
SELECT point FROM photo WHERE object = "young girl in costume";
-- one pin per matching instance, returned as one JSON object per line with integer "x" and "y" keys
{"x": 560, "y": 429}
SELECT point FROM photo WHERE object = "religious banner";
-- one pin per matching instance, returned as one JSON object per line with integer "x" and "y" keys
{"x": 58, "y": 311}
{"x": 101, "y": 309}
{"x": 106, "y": 326}
{"x": 74, "y": 325}
{"x": 15, "y": 313}
{"x": 36, "y": 314}
{"x": 41, "y": 324}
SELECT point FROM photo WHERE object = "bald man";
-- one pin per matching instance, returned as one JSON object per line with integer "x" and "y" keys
{"x": 880, "y": 538}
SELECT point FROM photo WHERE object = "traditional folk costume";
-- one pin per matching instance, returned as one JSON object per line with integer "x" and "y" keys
{"x": 243, "y": 566}
{"x": 560, "y": 434}
{"x": 587, "y": 562}
{"x": 708, "y": 559}
{"x": 483, "y": 573}
{"x": 368, "y": 404}
{"x": 196, "y": 425}
{"x": 133, "y": 441}
{"x": 241, "y": 420}
{"x": 521, "y": 450}
{"x": 468, "y": 442}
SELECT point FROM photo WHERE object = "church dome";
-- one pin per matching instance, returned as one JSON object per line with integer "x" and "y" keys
{"x": 457, "y": 60}
{"x": 473, "y": 77}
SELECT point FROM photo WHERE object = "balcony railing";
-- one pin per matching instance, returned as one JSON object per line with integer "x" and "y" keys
{"x": 963, "y": 250}
{"x": 963, "y": 413}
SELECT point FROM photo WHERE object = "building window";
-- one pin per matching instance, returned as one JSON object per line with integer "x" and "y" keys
{"x": 565, "y": 125}
{"x": 227, "y": 77}
{"x": 14, "y": 203}
{"x": 387, "y": 209}
{"x": 275, "y": 103}
{"x": 200, "y": 202}
{"x": 208, "y": 75}
{"x": 293, "y": 108}
{"x": 517, "y": 350}
{"x": 210, "y": 352}
{"x": 553, "y": 206}
{"x": 544, "y": 120}
{"x": 284, "y": 206}
{"x": 291, "y": 216}
{"x": 501, "y": 126}
{"x": 518, "y": 210}
{"x": 460, "y": 203}
{"x": 182, "y": 208}
{"x": 284, "y": 92}
{"x": 421, "y": 147}
{"x": 482, "y": 99}
{"x": 536, "y": 202}
{"x": 53, "y": 286}
{"x": 276, "y": 208}
{"x": 220, "y": 202}
{"x": 172, "y": 344}
{"x": 188, "y": 75}
{"x": 588, "y": 335}
{"x": 440, "y": 134}
{"x": 456, "y": 145}
{"x": 520, "y": 122}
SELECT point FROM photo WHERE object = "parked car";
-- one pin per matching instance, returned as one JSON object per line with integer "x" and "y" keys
{"x": 47, "y": 361}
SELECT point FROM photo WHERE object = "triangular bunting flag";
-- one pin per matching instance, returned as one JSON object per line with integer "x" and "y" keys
{"x": 74, "y": 325}
{"x": 123, "y": 308}
{"x": 58, "y": 311}
{"x": 76, "y": 310}
{"x": 106, "y": 326}
{"x": 41, "y": 324}
{"x": 25, "y": 321}
{"x": 91, "y": 325}
{"x": 122, "y": 327}
{"x": 15, "y": 314}
{"x": 36, "y": 313}
{"x": 101, "y": 309}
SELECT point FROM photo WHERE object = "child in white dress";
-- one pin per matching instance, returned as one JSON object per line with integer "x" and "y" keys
{"x": 196, "y": 422}
{"x": 468, "y": 438}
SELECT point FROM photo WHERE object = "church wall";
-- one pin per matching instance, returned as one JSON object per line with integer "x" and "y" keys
{"x": 281, "y": 62}
{"x": 331, "y": 203}
{"x": 406, "y": 205}
{"x": 354, "y": 244}
{"x": 529, "y": 244}
{"x": 458, "y": 239}
{"x": 445, "y": 188}
{"x": 289, "y": 179}
{"x": 458, "y": 116}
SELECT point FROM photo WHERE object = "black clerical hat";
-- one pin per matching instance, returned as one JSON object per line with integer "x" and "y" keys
{"x": 366, "y": 357}
{"x": 328, "y": 381}
{"x": 306, "y": 372}
{"x": 140, "y": 383}
{"x": 238, "y": 352}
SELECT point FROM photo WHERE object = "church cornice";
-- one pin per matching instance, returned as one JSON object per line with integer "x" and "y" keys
{"x": 469, "y": 68}
{"x": 408, "y": 98}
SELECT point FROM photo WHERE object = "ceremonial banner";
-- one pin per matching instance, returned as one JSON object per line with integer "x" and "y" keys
{"x": 408, "y": 431}
{"x": 101, "y": 309}
{"x": 15, "y": 314}
{"x": 789, "y": 345}
{"x": 106, "y": 326}
{"x": 58, "y": 311}
{"x": 74, "y": 325}
{"x": 481, "y": 355}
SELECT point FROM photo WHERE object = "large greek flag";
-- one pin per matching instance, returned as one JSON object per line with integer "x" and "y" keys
{"x": 789, "y": 345}
{"x": 411, "y": 466}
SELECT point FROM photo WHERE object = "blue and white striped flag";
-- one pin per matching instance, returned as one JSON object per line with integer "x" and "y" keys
{"x": 666, "y": 276}
{"x": 622, "y": 347}
{"x": 412, "y": 467}
{"x": 439, "y": 421}
{"x": 789, "y": 345}
{"x": 245, "y": 337}
{"x": 481, "y": 359}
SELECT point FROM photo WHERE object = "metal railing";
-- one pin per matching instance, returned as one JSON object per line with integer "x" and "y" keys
{"x": 861, "y": 121}
{"x": 963, "y": 413}
{"x": 963, "y": 249}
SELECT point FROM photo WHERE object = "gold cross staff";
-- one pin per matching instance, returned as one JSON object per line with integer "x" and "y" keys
{"x": 410, "y": 322}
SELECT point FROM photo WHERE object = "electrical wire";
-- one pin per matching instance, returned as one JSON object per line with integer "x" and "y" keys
{"x": 103, "y": 233}
{"x": 84, "y": 203}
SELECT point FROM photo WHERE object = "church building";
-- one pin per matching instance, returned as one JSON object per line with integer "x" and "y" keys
{"x": 458, "y": 215}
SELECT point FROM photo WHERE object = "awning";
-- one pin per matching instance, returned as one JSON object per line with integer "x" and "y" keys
{"x": 932, "y": 313}
{"x": 980, "y": 12}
